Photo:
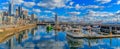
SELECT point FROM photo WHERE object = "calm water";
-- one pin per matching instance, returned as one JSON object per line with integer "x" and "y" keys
{"x": 38, "y": 38}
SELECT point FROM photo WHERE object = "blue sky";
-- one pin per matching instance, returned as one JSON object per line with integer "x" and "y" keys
{"x": 69, "y": 9}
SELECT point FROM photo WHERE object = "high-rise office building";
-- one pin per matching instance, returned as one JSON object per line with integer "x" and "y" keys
{"x": 11, "y": 4}
{"x": 25, "y": 14}
{"x": 56, "y": 19}
{"x": 5, "y": 13}
{"x": 5, "y": 16}
{"x": 1, "y": 17}
{"x": 33, "y": 16}
{"x": 19, "y": 11}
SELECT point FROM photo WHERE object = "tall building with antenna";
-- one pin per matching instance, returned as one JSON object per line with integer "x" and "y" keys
{"x": 56, "y": 19}
{"x": 57, "y": 27}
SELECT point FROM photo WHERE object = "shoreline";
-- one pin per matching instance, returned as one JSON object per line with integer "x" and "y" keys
{"x": 11, "y": 31}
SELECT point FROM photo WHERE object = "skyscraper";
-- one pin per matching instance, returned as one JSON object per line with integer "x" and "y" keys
{"x": 56, "y": 19}
{"x": 10, "y": 11}
{"x": 32, "y": 17}
{"x": 19, "y": 11}
{"x": 25, "y": 14}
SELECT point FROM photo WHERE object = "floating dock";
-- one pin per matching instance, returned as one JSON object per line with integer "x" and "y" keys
{"x": 76, "y": 36}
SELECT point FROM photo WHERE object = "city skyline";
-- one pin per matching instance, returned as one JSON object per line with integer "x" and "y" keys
{"x": 68, "y": 9}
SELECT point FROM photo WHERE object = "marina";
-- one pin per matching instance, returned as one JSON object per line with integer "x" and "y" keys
{"x": 60, "y": 24}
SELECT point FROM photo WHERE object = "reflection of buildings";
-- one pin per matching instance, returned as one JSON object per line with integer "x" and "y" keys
{"x": 33, "y": 31}
{"x": 20, "y": 37}
{"x": 93, "y": 42}
{"x": 10, "y": 43}
{"x": 17, "y": 36}
{"x": 25, "y": 36}
{"x": 56, "y": 35}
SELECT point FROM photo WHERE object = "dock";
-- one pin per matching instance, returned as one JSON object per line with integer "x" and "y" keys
{"x": 75, "y": 36}
{"x": 8, "y": 32}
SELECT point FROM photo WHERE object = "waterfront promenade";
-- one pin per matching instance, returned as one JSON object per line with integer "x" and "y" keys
{"x": 9, "y": 31}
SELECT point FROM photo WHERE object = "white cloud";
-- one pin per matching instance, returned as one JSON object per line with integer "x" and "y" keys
{"x": 48, "y": 11}
{"x": 37, "y": 10}
{"x": 5, "y": 3}
{"x": 118, "y": 2}
{"x": 69, "y": 7}
{"x": 52, "y": 4}
{"x": 77, "y": 7}
{"x": 17, "y": 1}
{"x": 25, "y": 9}
{"x": 103, "y": 1}
{"x": 29, "y": 4}
{"x": 51, "y": 12}
{"x": 6, "y": 8}
{"x": 71, "y": 3}
{"x": 98, "y": 13}
{"x": 65, "y": 18}
{"x": 74, "y": 13}
{"x": 94, "y": 6}
{"x": 98, "y": 16}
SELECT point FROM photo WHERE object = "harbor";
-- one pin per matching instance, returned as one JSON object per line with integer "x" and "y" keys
{"x": 59, "y": 24}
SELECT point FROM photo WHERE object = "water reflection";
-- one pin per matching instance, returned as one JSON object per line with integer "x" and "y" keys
{"x": 33, "y": 31}
{"x": 106, "y": 43}
{"x": 38, "y": 38}
{"x": 18, "y": 39}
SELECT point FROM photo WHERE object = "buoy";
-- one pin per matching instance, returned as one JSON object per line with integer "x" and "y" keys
{"x": 57, "y": 28}
{"x": 100, "y": 37}
{"x": 49, "y": 28}
{"x": 110, "y": 34}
